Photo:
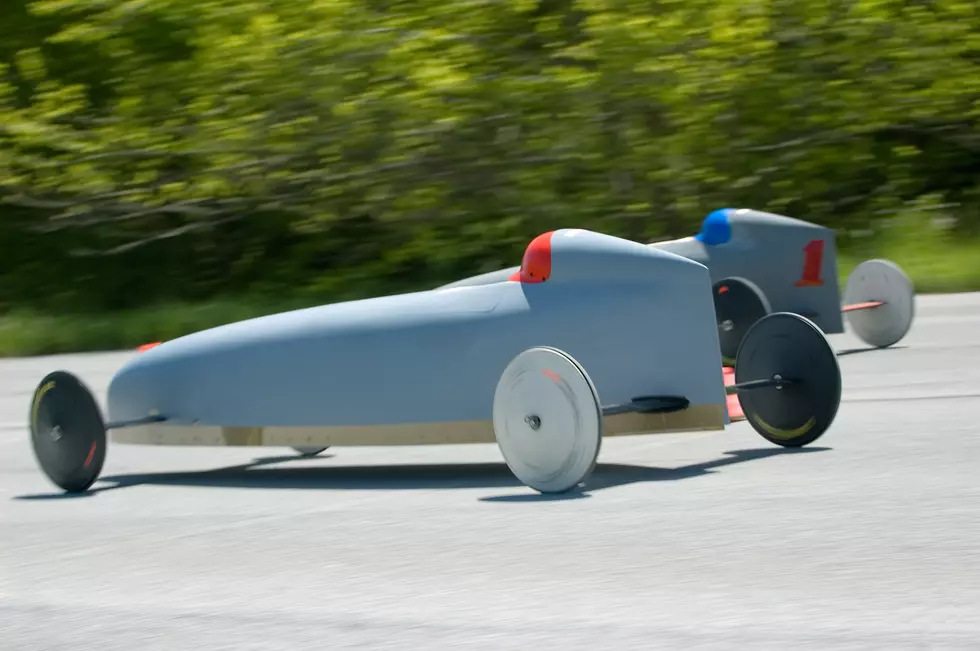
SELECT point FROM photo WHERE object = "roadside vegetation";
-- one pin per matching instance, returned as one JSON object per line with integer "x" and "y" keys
{"x": 173, "y": 165}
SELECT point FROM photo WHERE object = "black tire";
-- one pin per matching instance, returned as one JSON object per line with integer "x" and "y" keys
{"x": 739, "y": 304}
{"x": 67, "y": 432}
{"x": 794, "y": 348}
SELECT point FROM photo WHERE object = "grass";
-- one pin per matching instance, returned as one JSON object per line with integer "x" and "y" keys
{"x": 937, "y": 261}
{"x": 936, "y": 264}
{"x": 27, "y": 333}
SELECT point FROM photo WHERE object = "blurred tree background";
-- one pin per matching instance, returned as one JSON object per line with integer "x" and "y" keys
{"x": 182, "y": 150}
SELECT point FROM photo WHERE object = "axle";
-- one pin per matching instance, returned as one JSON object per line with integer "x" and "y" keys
{"x": 136, "y": 421}
{"x": 777, "y": 381}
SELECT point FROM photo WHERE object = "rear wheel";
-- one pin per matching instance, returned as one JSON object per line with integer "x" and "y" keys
{"x": 789, "y": 347}
{"x": 880, "y": 281}
{"x": 547, "y": 420}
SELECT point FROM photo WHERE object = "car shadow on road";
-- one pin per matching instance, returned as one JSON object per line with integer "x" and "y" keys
{"x": 610, "y": 475}
{"x": 866, "y": 349}
{"x": 259, "y": 474}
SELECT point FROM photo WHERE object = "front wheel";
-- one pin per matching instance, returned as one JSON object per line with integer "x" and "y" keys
{"x": 739, "y": 303}
{"x": 68, "y": 433}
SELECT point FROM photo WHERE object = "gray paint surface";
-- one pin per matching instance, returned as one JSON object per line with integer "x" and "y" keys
{"x": 768, "y": 250}
{"x": 483, "y": 279}
{"x": 694, "y": 541}
{"x": 639, "y": 320}
{"x": 765, "y": 248}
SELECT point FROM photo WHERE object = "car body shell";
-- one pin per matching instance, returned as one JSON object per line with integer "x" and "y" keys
{"x": 791, "y": 261}
{"x": 422, "y": 367}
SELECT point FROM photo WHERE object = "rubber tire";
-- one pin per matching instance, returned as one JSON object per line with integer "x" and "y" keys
{"x": 741, "y": 302}
{"x": 75, "y": 460}
{"x": 795, "y": 348}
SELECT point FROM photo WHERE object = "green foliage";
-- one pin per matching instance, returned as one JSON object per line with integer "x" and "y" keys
{"x": 188, "y": 149}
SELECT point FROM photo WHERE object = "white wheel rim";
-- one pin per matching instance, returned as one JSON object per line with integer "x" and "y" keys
{"x": 559, "y": 450}
{"x": 880, "y": 280}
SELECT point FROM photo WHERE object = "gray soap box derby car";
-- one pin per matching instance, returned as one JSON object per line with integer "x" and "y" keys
{"x": 762, "y": 263}
{"x": 598, "y": 336}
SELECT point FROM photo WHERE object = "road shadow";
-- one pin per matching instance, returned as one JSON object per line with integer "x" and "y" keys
{"x": 608, "y": 475}
{"x": 258, "y": 474}
{"x": 867, "y": 349}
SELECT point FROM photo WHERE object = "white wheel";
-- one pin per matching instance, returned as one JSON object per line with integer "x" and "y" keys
{"x": 547, "y": 420}
{"x": 880, "y": 280}
{"x": 309, "y": 451}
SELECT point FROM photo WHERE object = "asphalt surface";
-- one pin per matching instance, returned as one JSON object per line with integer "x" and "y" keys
{"x": 869, "y": 539}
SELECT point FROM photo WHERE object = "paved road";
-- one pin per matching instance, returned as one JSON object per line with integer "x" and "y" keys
{"x": 871, "y": 539}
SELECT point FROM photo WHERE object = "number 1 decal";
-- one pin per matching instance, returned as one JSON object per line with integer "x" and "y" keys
{"x": 812, "y": 262}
